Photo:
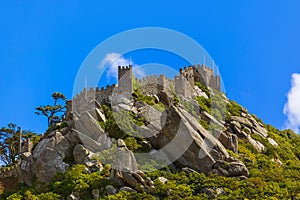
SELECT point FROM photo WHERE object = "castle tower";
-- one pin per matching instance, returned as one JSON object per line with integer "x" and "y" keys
{"x": 125, "y": 79}
{"x": 183, "y": 86}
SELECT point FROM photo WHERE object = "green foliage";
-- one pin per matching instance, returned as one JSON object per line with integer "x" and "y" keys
{"x": 137, "y": 119}
{"x": 130, "y": 195}
{"x": 28, "y": 195}
{"x": 10, "y": 142}
{"x": 135, "y": 83}
{"x": 140, "y": 97}
{"x": 102, "y": 125}
{"x": 111, "y": 127}
{"x": 48, "y": 196}
{"x": 55, "y": 112}
{"x": 203, "y": 88}
{"x": 121, "y": 124}
{"x": 218, "y": 106}
{"x": 79, "y": 180}
{"x": 132, "y": 143}
{"x": 146, "y": 164}
{"x": 69, "y": 160}
{"x": 189, "y": 107}
{"x": 15, "y": 196}
{"x": 204, "y": 103}
{"x": 159, "y": 106}
{"x": 175, "y": 99}
{"x": 150, "y": 100}
{"x": 234, "y": 109}
{"x": 106, "y": 156}
{"x": 204, "y": 123}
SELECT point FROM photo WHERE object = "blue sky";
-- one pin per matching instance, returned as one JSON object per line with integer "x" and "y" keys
{"x": 43, "y": 43}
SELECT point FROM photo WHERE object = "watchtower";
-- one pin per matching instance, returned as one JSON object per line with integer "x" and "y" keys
{"x": 125, "y": 79}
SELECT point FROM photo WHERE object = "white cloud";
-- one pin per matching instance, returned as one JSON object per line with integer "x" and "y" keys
{"x": 138, "y": 71}
{"x": 113, "y": 60}
{"x": 292, "y": 106}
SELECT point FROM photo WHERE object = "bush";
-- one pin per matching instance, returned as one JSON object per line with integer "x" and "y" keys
{"x": 132, "y": 144}
{"x": 234, "y": 109}
{"x": 48, "y": 196}
{"x": 203, "y": 88}
{"x": 204, "y": 123}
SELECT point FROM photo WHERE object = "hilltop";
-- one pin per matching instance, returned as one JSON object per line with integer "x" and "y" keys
{"x": 160, "y": 138}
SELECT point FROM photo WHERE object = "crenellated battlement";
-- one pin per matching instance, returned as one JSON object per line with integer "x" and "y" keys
{"x": 182, "y": 83}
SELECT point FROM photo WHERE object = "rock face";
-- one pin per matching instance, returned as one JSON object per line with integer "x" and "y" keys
{"x": 245, "y": 126}
{"x": 47, "y": 158}
{"x": 228, "y": 140}
{"x": 25, "y": 169}
{"x": 91, "y": 133}
{"x": 190, "y": 145}
{"x": 125, "y": 171}
{"x": 125, "y": 160}
{"x": 175, "y": 136}
{"x": 256, "y": 144}
{"x": 110, "y": 190}
{"x": 80, "y": 154}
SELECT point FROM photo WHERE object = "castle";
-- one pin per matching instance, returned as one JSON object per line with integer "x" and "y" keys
{"x": 182, "y": 84}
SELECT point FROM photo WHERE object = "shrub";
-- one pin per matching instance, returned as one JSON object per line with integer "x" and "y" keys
{"x": 203, "y": 88}
{"x": 132, "y": 143}
{"x": 234, "y": 109}
{"x": 204, "y": 103}
{"x": 48, "y": 196}
{"x": 204, "y": 123}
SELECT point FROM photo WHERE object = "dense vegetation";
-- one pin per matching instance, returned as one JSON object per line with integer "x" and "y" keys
{"x": 268, "y": 178}
{"x": 11, "y": 137}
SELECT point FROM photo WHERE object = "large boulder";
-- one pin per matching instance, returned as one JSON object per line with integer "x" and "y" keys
{"x": 125, "y": 160}
{"x": 80, "y": 154}
{"x": 48, "y": 157}
{"x": 125, "y": 172}
{"x": 228, "y": 140}
{"x": 25, "y": 169}
{"x": 256, "y": 144}
{"x": 90, "y": 132}
{"x": 241, "y": 120}
{"x": 187, "y": 143}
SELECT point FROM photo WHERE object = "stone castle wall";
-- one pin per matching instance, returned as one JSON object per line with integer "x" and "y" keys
{"x": 201, "y": 74}
{"x": 151, "y": 85}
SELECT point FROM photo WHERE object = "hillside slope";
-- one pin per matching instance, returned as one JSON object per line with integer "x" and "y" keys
{"x": 165, "y": 147}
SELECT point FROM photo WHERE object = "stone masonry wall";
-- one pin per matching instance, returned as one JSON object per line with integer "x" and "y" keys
{"x": 152, "y": 85}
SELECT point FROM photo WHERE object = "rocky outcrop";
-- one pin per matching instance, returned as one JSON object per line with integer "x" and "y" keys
{"x": 245, "y": 126}
{"x": 90, "y": 132}
{"x": 47, "y": 158}
{"x": 125, "y": 160}
{"x": 256, "y": 144}
{"x": 25, "y": 169}
{"x": 110, "y": 190}
{"x": 80, "y": 153}
{"x": 125, "y": 172}
{"x": 272, "y": 142}
{"x": 188, "y": 144}
{"x": 228, "y": 140}
{"x": 176, "y": 137}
